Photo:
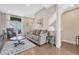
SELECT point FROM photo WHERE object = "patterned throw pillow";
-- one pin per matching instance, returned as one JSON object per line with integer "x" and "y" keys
{"x": 34, "y": 32}
{"x": 38, "y": 32}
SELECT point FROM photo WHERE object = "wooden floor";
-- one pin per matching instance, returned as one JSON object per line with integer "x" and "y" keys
{"x": 48, "y": 49}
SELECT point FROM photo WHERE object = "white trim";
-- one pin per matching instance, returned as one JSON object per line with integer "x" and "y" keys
{"x": 58, "y": 27}
{"x": 58, "y": 45}
{"x": 68, "y": 9}
{"x": 72, "y": 42}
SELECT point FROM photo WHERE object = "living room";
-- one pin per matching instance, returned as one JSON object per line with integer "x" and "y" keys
{"x": 26, "y": 28}
{"x": 11, "y": 23}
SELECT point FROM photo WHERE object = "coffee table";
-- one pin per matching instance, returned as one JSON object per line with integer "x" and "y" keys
{"x": 18, "y": 40}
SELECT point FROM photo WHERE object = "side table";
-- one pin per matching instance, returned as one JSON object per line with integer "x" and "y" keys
{"x": 77, "y": 40}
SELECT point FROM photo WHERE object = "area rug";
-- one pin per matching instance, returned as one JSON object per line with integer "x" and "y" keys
{"x": 9, "y": 48}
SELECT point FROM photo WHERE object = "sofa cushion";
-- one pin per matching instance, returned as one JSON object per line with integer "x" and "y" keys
{"x": 34, "y": 32}
{"x": 34, "y": 37}
{"x": 38, "y": 32}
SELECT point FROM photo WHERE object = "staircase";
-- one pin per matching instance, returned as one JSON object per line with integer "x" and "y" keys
{"x": 49, "y": 15}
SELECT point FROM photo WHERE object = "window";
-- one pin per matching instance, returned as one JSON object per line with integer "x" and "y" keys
{"x": 15, "y": 19}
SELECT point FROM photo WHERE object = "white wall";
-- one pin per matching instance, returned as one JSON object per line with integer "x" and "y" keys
{"x": 70, "y": 25}
{"x": 2, "y": 22}
{"x": 27, "y": 25}
{"x": 43, "y": 14}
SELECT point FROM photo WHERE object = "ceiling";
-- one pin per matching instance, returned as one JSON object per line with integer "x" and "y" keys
{"x": 22, "y": 9}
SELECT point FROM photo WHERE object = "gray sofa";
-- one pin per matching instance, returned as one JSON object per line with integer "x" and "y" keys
{"x": 38, "y": 36}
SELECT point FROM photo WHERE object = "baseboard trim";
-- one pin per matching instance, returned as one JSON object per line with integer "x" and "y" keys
{"x": 68, "y": 41}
